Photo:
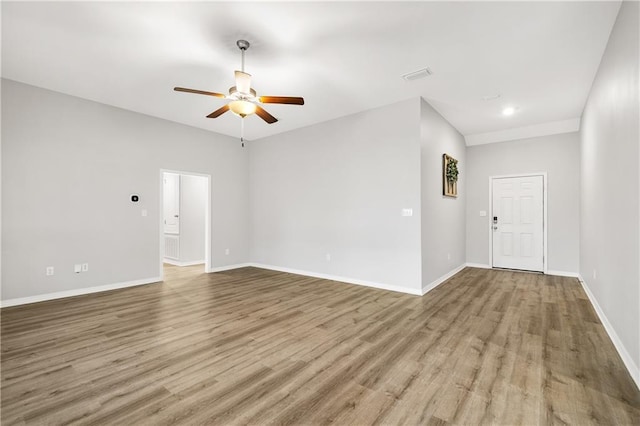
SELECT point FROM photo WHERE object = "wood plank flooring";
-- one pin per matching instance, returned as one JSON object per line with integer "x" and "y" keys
{"x": 252, "y": 346}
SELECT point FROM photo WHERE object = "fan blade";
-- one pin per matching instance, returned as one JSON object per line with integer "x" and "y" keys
{"x": 262, "y": 113}
{"x": 219, "y": 111}
{"x": 281, "y": 100}
{"x": 199, "y": 92}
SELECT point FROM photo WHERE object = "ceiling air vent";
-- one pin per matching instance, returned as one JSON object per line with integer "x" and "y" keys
{"x": 417, "y": 74}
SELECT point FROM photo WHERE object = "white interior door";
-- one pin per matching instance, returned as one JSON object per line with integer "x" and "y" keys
{"x": 171, "y": 203}
{"x": 518, "y": 223}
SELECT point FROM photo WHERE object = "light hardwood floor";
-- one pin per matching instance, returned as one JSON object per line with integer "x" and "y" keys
{"x": 251, "y": 346}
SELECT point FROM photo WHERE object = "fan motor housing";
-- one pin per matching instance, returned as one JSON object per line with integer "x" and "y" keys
{"x": 233, "y": 93}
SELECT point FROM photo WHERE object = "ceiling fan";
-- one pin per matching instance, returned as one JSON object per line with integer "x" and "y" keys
{"x": 243, "y": 99}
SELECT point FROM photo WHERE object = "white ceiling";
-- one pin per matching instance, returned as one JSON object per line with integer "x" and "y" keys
{"x": 341, "y": 57}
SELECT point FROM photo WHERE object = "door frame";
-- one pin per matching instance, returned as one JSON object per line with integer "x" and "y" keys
{"x": 207, "y": 223}
{"x": 544, "y": 214}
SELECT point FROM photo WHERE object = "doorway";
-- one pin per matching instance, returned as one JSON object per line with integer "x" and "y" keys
{"x": 518, "y": 230}
{"x": 185, "y": 237}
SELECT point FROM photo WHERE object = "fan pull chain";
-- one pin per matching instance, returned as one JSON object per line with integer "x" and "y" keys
{"x": 242, "y": 131}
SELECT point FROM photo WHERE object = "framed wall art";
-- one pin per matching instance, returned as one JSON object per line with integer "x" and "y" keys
{"x": 449, "y": 176}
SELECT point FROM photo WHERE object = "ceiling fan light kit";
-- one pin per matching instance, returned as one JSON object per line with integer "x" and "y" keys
{"x": 242, "y": 108}
{"x": 243, "y": 100}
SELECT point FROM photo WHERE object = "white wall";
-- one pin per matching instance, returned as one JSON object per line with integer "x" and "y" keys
{"x": 193, "y": 202}
{"x": 443, "y": 218}
{"x": 68, "y": 167}
{"x": 610, "y": 187}
{"x": 559, "y": 156}
{"x": 339, "y": 188}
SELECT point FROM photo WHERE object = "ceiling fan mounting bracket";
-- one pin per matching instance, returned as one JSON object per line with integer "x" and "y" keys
{"x": 243, "y": 44}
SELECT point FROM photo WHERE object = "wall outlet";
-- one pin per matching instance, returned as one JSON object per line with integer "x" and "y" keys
{"x": 448, "y": 256}
{"x": 77, "y": 268}
{"x": 328, "y": 257}
{"x": 49, "y": 271}
{"x": 144, "y": 213}
{"x": 407, "y": 212}
{"x": 226, "y": 251}
{"x": 85, "y": 267}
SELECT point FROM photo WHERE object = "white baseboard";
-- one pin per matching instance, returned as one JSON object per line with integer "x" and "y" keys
{"x": 557, "y": 273}
{"x": 76, "y": 292}
{"x": 340, "y": 279}
{"x": 348, "y": 280}
{"x": 478, "y": 265}
{"x": 563, "y": 274}
{"x": 437, "y": 282}
{"x": 229, "y": 267}
{"x": 178, "y": 263}
{"x": 617, "y": 343}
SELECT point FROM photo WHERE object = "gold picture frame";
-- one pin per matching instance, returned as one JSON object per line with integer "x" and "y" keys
{"x": 449, "y": 187}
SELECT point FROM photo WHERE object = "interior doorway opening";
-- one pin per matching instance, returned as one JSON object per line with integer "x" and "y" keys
{"x": 185, "y": 237}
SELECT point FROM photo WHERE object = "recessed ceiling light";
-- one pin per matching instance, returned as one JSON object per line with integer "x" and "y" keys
{"x": 508, "y": 111}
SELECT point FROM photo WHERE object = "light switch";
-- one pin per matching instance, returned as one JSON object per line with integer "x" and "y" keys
{"x": 407, "y": 212}
{"x": 77, "y": 268}
{"x": 483, "y": 213}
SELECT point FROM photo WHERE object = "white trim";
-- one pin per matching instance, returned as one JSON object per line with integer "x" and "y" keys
{"x": 341, "y": 279}
{"x": 438, "y": 281}
{"x": 549, "y": 272}
{"x": 228, "y": 267}
{"x": 517, "y": 175}
{"x": 545, "y": 217}
{"x": 542, "y": 129}
{"x": 207, "y": 223}
{"x": 563, "y": 274}
{"x": 424, "y": 290}
{"x": 161, "y": 241}
{"x": 617, "y": 343}
{"x": 490, "y": 222}
{"x": 545, "y": 227}
{"x": 478, "y": 265}
{"x": 177, "y": 263}
{"x": 76, "y": 292}
{"x": 347, "y": 280}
